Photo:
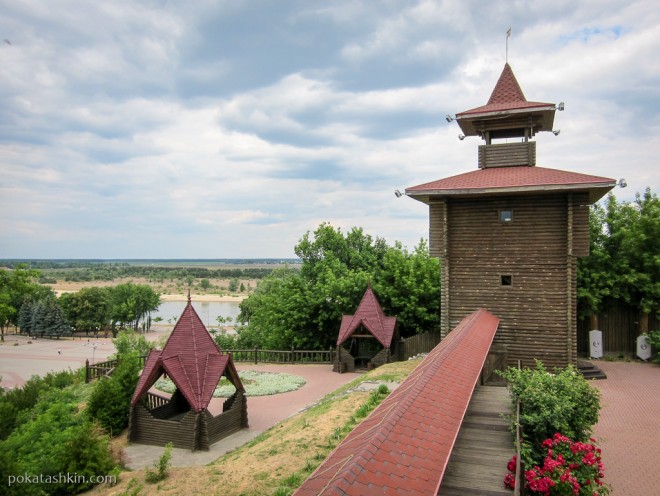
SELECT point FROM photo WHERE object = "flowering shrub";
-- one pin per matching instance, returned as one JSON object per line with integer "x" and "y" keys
{"x": 561, "y": 401}
{"x": 569, "y": 468}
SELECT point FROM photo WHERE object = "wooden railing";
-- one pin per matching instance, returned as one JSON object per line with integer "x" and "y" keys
{"x": 153, "y": 400}
{"x": 257, "y": 355}
{"x": 518, "y": 479}
{"x": 101, "y": 369}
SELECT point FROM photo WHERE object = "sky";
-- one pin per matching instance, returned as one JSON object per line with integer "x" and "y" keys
{"x": 230, "y": 128}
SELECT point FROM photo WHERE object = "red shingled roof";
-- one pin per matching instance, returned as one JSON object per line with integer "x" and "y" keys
{"x": 506, "y": 95}
{"x": 370, "y": 315}
{"x": 514, "y": 179}
{"x": 191, "y": 359}
{"x": 403, "y": 447}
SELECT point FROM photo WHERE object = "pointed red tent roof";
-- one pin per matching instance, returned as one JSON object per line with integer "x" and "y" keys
{"x": 191, "y": 359}
{"x": 507, "y": 99}
{"x": 403, "y": 447}
{"x": 507, "y": 95}
{"x": 370, "y": 315}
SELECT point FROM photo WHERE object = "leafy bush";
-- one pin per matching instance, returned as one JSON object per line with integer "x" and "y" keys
{"x": 131, "y": 343}
{"x": 653, "y": 338}
{"x": 110, "y": 402}
{"x": 161, "y": 466}
{"x": 562, "y": 401}
{"x": 57, "y": 439}
{"x": 16, "y": 403}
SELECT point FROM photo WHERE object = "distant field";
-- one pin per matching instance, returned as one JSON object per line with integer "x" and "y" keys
{"x": 220, "y": 277}
{"x": 210, "y": 263}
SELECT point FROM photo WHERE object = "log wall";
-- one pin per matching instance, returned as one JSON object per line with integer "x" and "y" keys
{"x": 537, "y": 250}
{"x": 193, "y": 431}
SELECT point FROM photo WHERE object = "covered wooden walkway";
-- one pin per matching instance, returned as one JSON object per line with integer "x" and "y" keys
{"x": 483, "y": 447}
{"x": 404, "y": 446}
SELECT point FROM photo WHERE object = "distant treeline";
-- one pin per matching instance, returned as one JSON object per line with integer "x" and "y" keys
{"x": 76, "y": 263}
{"x": 82, "y": 271}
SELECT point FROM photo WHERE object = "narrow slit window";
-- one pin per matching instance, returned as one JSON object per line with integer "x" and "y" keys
{"x": 506, "y": 280}
{"x": 506, "y": 216}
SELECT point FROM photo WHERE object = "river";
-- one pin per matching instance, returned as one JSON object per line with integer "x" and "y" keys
{"x": 208, "y": 311}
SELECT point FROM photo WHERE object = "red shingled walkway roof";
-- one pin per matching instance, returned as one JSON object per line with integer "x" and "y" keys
{"x": 403, "y": 447}
{"x": 370, "y": 315}
{"x": 191, "y": 359}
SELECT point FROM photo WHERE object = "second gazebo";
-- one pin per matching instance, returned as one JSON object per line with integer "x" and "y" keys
{"x": 365, "y": 338}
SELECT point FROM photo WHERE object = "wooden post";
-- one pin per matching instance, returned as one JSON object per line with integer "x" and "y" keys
{"x": 87, "y": 371}
{"x": 593, "y": 319}
{"x": 643, "y": 322}
{"x": 293, "y": 360}
{"x": 256, "y": 350}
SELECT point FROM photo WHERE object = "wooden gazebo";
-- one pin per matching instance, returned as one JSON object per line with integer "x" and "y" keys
{"x": 366, "y": 337}
{"x": 193, "y": 361}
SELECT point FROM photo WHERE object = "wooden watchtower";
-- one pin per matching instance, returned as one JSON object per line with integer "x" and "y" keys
{"x": 508, "y": 234}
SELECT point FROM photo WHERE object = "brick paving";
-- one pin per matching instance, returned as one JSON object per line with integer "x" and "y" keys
{"x": 628, "y": 430}
{"x": 20, "y": 360}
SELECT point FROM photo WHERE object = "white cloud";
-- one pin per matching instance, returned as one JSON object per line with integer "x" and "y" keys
{"x": 225, "y": 130}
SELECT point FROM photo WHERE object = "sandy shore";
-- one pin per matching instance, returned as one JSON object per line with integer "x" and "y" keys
{"x": 202, "y": 297}
{"x": 72, "y": 287}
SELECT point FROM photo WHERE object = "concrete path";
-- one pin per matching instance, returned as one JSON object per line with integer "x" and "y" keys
{"x": 263, "y": 413}
{"x": 628, "y": 430}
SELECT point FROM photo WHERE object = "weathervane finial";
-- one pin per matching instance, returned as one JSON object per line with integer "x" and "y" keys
{"x": 189, "y": 299}
{"x": 508, "y": 34}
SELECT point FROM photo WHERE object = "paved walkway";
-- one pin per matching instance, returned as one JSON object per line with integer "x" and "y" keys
{"x": 629, "y": 427}
{"x": 20, "y": 360}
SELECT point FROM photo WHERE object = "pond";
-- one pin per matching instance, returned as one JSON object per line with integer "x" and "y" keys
{"x": 208, "y": 311}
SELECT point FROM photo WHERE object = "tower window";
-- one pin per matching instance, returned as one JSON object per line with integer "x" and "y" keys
{"x": 506, "y": 216}
{"x": 506, "y": 280}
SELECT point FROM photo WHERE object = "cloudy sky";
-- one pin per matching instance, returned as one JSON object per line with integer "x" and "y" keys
{"x": 229, "y": 128}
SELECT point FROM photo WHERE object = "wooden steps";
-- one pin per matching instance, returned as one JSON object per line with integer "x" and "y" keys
{"x": 589, "y": 370}
{"x": 477, "y": 464}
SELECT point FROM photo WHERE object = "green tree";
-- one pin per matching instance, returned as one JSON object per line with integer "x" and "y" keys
{"x": 58, "y": 439}
{"x": 131, "y": 303}
{"x": 304, "y": 308}
{"x": 110, "y": 401}
{"x": 205, "y": 284}
{"x": 233, "y": 284}
{"x": 16, "y": 286}
{"x": 88, "y": 309}
{"x": 48, "y": 319}
{"x": 623, "y": 263}
{"x": 408, "y": 285}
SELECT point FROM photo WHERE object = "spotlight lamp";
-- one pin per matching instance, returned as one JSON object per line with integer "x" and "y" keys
{"x": 461, "y": 137}
{"x": 622, "y": 183}
{"x": 560, "y": 106}
{"x": 398, "y": 193}
{"x": 449, "y": 118}
{"x": 556, "y": 132}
